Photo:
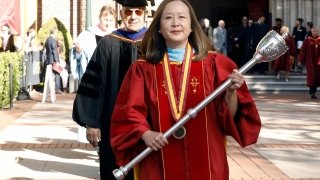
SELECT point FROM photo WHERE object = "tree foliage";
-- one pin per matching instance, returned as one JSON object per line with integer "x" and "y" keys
{"x": 63, "y": 34}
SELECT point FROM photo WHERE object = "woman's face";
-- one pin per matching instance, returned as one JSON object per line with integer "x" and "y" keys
{"x": 107, "y": 22}
{"x": 175, "y": 24}
{"x": 315, "y": 32}
{"x": 4, "y": 31}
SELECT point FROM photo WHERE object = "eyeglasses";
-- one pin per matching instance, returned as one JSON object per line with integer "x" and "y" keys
{"x": 129, "y": 12}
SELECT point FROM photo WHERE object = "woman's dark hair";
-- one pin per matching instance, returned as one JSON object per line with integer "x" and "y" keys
{"x": 310, "y": 24}
{"x": 300, "y": 20}
{"x": 153, "y": 46}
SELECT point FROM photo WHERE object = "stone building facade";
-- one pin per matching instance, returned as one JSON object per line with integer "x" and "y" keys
{"x": 290, "y": 10}
{"x": 72, "y": 12}
{"x": 233, "y": 10}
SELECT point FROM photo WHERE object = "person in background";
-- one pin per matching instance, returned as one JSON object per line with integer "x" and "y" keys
{"x": 52, "y": 56}
{"x": 259, "y": 30}
{"x": 78, "y": 64}
{"x": 7, "y": 40}
{"x": 243, "y": 43}
{"x": 299, "y": 34}
{"x": 101, "y": 81}
{"x": 84, "y": 46}
{"x": 309, "y": 27}
{"x": 278, "y": 25}
{"x": 78, "y": 61}
{"x": 207, "y": 28}
{"x": 62, "y": 77}
{"x": 220, "y": 38}
{"x": 250, "y": 22}
{"x": 310, "y": 57}
{"x": 88, "y": 39}
{"x": 30, "y": 40}
{"x": 86, "y": 42}
{"x": 176, "y": 72}
{"x": 284, "y": 62}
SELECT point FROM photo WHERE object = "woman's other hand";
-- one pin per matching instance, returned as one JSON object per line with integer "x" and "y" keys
{"x": 154, "y": 140}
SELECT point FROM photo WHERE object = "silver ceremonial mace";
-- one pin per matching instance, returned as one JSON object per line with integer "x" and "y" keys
{"x": 269, "y": 48}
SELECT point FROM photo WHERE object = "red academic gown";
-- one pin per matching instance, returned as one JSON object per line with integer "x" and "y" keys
{"x": 284, "y": 62}
{"x": 143, "y": 105}
{"x": 310, "y": 56}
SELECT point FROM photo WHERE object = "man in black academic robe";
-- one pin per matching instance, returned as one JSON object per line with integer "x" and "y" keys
{"x": 101, "y": 82}
{"x": 259, "y": 30}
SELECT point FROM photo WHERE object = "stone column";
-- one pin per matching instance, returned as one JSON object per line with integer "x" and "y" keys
{"x": 290, "y": 10}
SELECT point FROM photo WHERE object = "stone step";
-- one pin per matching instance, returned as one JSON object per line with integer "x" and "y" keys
{"x": 269, "y": 83}
{"x": 273, "y": 78}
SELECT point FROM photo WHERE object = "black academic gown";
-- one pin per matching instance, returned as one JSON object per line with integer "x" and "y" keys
{"x": 98, "y": 90}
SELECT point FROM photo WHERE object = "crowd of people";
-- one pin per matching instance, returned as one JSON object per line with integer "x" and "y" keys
{"x": 301, "y": 58}
{"x": 136, "y": 82}
{"x": 235, "y": 40}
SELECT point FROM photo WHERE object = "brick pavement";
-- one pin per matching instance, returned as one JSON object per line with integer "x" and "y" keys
{"x": 57, "y": 154}
{"x": 39, "y": 141}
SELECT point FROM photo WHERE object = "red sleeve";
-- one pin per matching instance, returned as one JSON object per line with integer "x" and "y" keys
{"x": 128, "y": 121}
{"x": 292, "y": 46}
{"x": 245, "y": 126}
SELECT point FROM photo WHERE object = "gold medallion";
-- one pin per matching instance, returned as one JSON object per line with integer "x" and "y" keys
{"x": 180, "y": 133}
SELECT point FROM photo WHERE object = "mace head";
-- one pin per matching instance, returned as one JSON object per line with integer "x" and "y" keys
{"x": 271, "y": 46}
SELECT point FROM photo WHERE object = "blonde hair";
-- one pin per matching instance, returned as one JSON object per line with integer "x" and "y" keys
{"x": 107, "y": 10}
{"x": 284, "y": 29}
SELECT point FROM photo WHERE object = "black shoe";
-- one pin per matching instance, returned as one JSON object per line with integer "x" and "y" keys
{"x": 314, "y": 96}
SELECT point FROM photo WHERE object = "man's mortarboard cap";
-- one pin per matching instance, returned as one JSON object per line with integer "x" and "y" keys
{"x": 133, "y": 3}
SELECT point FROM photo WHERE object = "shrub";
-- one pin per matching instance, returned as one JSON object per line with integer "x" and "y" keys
{"x": 5, "y": 59}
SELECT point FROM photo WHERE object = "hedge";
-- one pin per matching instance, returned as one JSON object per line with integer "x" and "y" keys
{"x": 16, "y": 60}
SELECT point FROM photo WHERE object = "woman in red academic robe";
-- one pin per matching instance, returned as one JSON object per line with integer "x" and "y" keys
{"x": 310, "y": 57}
{"x": 174, "y": 75}
{"x": 284, "y": 62}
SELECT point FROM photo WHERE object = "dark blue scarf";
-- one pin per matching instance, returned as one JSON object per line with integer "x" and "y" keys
{"x": 131, "y": 35}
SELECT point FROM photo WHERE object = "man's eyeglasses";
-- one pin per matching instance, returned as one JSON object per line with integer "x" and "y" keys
{"x": 129, "y": 12}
